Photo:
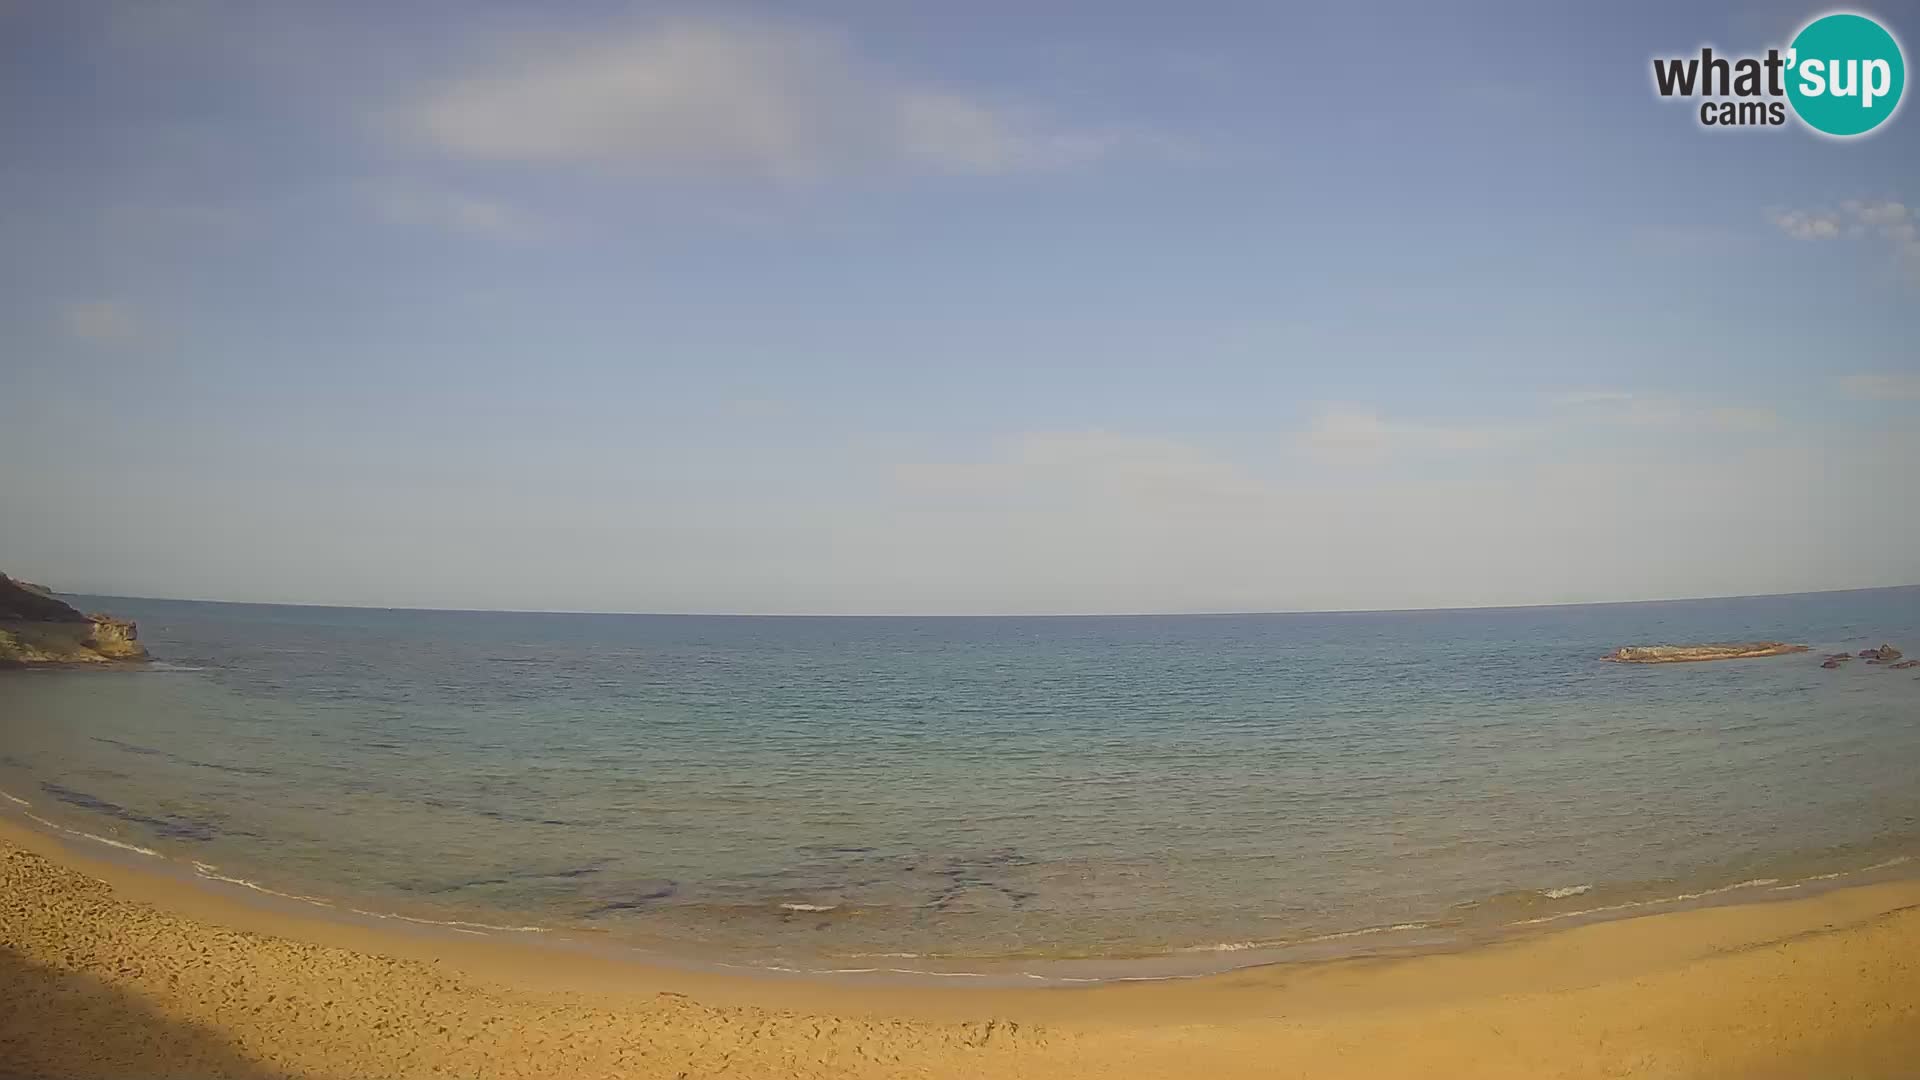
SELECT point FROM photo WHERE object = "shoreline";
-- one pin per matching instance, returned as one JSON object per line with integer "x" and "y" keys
{"x": 20, "y": 824}
{"x": 1824, "y": 984}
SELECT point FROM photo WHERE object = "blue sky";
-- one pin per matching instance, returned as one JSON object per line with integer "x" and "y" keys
{"x": 882, "y": 308}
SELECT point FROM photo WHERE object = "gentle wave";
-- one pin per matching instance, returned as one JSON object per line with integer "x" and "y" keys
{"x": 1681, "y": 898}
{"x": 461, "y": 925}
{"x": 1281, "y": 943}
{"x": 107, "y": 840}
{"x": 1884, "y": 864}
{"x": 209, "y": 872}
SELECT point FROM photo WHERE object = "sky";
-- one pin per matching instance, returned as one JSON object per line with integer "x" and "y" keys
{"x": 905, "y": 308}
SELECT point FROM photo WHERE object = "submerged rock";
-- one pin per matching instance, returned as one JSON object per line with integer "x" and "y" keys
{"x": 1681, "y": 654}
{"x": 1830, "y": 663}
{"x": 611, "y": 898}
{"x": 36, "y": 628}
{"x": 1905, "y": 664}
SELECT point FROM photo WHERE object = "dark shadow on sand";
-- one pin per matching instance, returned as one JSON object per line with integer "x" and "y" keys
{"x": 59, "y": 1025}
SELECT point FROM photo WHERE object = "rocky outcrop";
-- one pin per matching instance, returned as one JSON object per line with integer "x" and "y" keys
{"x": 1885, "y": 656}
{"x": 38, "y": 628}
{"x": 1683, "y": 654}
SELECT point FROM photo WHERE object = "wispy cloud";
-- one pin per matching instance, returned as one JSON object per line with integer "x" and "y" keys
{"x": 440, "y": 208}
{"x": 1090, "y": 464}
{"x": 1665, "y": 411}
{"x": 1869, "y": 387}
{"x": 1807, "y": 224}
{"x": 1886, "y": 221}
{"x": 100, "y": 322}
{"x": 1590, "y": 397}
{"x": 1358, "y": 436}
{"x": 702, "y": 96}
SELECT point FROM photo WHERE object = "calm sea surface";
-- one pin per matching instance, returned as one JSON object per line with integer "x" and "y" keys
{"x": 947, "y": 793}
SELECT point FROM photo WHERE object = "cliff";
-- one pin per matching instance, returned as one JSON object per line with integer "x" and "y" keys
{"x": 37, "y": 628}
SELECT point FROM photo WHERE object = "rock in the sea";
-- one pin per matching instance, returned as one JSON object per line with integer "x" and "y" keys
{"x": 37, "y": 628}
{"x": 609, "y": 898}
{"x": 1905, "y": 664}
{"x": 1681, "y": 654}
{"x": 1830, "y": 663}
{"x": 1884, "y": 654}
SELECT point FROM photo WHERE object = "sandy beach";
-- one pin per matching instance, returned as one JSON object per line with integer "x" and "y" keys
{"x": 111, "y": 971}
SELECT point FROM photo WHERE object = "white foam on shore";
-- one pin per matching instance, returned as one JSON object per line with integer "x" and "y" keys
{"x": 1565, "y": 891}
{"x": 14, "y": 799}
{"x": 209, "y": 872}
{"x": 1395, "y": 928}
{"x": 107, "y": 840}
{"x": 1281, "y": 943}
{"x": 452, "y": 924}
{"x": 809, "y": 907}
{"x": 1681, "y": 898}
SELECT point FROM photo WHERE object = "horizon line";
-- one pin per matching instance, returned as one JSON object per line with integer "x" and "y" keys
{"x": 1001, "y": 615}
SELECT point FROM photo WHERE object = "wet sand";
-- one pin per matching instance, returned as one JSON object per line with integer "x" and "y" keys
{"x": 107, "y": 970}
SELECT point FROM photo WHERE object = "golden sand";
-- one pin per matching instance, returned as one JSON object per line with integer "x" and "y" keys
{"x": 108, "y": 971}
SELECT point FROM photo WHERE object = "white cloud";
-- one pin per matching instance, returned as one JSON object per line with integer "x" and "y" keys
{"x": 1098, "y": 465}
{"x": 1668, "y": 412}
{"x": 1658, "y": 410}
{"x": 1878, "y": 213}
{"x": 1881, "y": 387}
{"x": 1099, "y": 521}
{"x": 1591, "y": 397}
{"x": 1807, "y": 224}
{"x": 1887, "y": 221}
{"x": 1357, "y": 436}
{"x": 100, "y": 322}
{"x": 952, "y": 133}
{"x": 418, "y": 205}
{"x": 701, "y": 96}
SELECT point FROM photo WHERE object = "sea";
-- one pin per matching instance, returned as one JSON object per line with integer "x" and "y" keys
{"x": 1051, "y": 799}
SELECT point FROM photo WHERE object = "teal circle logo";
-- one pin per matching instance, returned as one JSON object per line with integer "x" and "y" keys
{"x": 1845, "y": 74}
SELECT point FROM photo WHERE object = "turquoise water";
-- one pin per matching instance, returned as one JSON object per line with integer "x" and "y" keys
{"x": 937, "y": 793}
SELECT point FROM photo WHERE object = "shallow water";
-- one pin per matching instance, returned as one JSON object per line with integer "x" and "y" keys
{"x": 850, "y": 793}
